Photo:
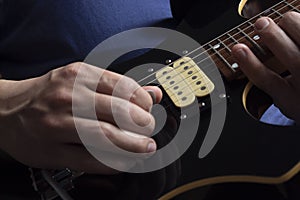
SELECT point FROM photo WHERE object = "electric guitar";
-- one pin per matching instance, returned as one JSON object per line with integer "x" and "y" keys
{"x": 246, "y": 150}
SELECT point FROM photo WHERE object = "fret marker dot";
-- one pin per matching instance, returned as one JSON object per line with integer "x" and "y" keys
{"x": 183, "y": 116}
{"x": 150, "y": 70}
{"x": 235, "y": 66}
{"x": 222, "y": 96}
{"x": 256, "y": 37}
{"x": 217, "y": 46}
{"x": 168, "y": 61}
{"x": 185, "y": 52}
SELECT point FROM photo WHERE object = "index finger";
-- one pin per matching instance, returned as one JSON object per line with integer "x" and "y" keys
{"x": 281, "y": 45}
{"x": 113, "y": 84}
{"x": 264, "y": 78}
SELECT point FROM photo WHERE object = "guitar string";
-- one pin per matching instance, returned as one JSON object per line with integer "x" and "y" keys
{"x": 206, "y": 66}
{"x": 200, "y": 47}
{"x": 239, "y": 32}
{"x": 183, "y": 63}
{"x": 233, "y": 43}
{"x": 167, "y": 106}
{"x": 186, "y": 86}
{"x": 241, "y": 38}
{"x": 205, "y": 86}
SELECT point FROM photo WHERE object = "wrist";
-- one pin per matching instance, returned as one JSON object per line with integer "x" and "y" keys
{"x": 15, "y": 95}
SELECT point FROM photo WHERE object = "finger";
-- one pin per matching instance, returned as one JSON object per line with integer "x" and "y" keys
{"x": 123, "y": 87}
{"x": 107, "y": 137}
{"x": 69, "y": 130}
{"x": 124, "y": 114}
{"x": 261, "y": 76}
{"x": 155, "y": 93}
{"x": 110, "y": 83}
{"x": 120, "y": 112}
{"x": 290, "y": 23}
{"x": 279, "y": 43}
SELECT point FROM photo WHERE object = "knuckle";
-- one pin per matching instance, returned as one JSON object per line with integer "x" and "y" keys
{"x": 130, "y": 83}
{"x": 62, "y": 96}
{"x": 106, "y": 131}
{"x": 127, "y": 84}
{"x": 146, "y": 102}
{"x": 72, "y": 70}
{"x": 140, "y": 117}
{"x": 50, "y": 121}
{"x": 129, "y": 80}
{"x": 145, "y": 124}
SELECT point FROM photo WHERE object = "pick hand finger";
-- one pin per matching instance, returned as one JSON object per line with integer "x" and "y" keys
{"x": 108, "y": 138}
{"x": 113, "y": 84}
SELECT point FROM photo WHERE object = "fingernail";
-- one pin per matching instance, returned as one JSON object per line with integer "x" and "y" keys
{"x": 151, "y": 147}
{"x": 240, "y": 54}
{"x": 153, "y": 96}
{"x": 261, "y": 24}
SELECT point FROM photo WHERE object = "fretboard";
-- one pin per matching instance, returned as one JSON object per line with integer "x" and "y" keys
{"x": 220, "y": 48}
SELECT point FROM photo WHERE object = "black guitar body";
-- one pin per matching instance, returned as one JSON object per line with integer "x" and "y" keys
{"x": 248, "y": 159}
{"x": 247, "y": 152}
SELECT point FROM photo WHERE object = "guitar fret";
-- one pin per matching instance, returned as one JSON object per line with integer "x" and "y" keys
{"x": 275, "y": 11}
{"x": 292, "y": 6}
{"x": 220, "y": 48}
{"x": 222, "y": 58}
{"x": 232, "y": 38}
{"x": 226, "y": 47}
{"x": 250, "y": 23}
{"x": 255, "y": 44}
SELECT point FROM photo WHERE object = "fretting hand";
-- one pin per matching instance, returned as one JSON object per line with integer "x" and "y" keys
{"x": 284, "y": 42}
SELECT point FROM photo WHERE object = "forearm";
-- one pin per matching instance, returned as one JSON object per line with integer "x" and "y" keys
{"x": 14, "y": 96}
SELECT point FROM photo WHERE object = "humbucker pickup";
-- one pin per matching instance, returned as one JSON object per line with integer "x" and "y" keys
{"x": 184, "y": 81}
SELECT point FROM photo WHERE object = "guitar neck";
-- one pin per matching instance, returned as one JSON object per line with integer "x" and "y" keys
{"x": 219, "y": 49}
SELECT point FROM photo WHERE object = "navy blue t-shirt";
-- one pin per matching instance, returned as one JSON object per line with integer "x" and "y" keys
{"x": 39, "y": 35}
